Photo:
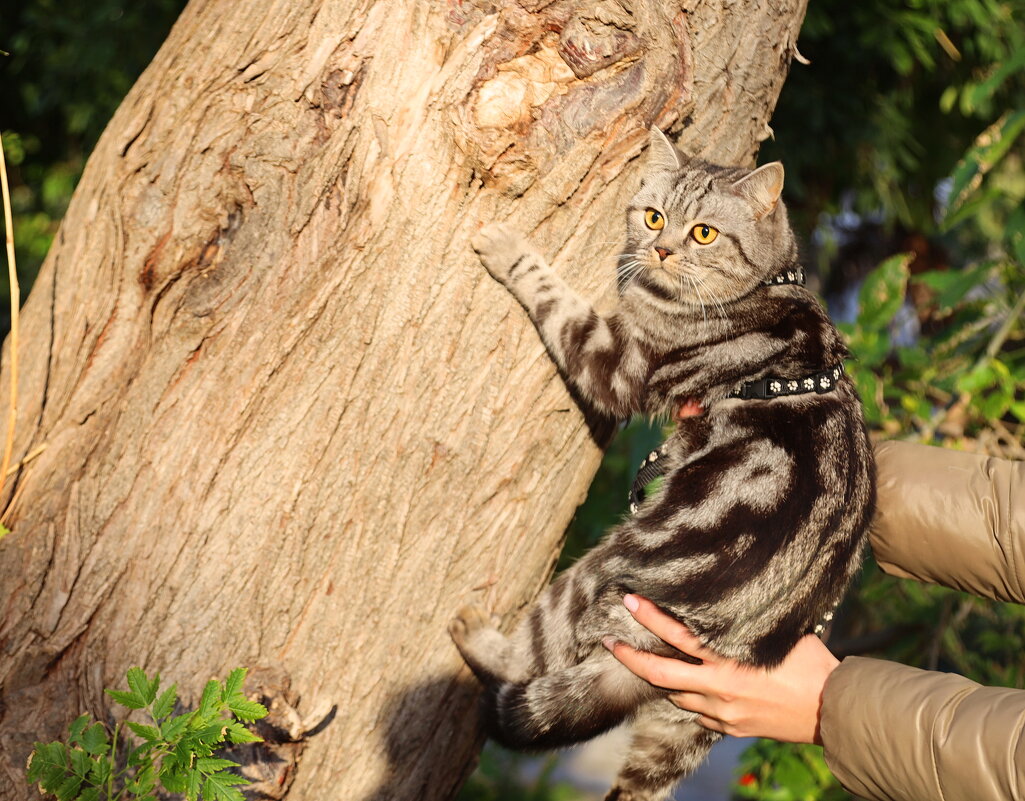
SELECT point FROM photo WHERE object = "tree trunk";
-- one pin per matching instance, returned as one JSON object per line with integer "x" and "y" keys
{"x": 290, "y": 423}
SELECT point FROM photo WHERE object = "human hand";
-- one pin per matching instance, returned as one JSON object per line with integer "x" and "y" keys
{"x": 781, "y": 702}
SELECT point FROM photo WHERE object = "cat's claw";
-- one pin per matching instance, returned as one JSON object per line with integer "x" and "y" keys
{"x": 500, "y": 247}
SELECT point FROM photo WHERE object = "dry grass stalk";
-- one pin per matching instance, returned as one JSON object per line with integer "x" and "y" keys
{"x": 12, "y": 272}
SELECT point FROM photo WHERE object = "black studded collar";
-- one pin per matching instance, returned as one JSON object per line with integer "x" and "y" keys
{"x": 775, "y": 387}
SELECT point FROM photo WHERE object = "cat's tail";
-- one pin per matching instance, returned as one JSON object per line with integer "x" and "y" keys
{"x": 564, "y": 707}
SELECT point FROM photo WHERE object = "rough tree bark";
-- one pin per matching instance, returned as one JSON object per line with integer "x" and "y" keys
{"x": 290, "y": 423}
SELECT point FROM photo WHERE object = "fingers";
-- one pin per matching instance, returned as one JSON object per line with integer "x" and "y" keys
{"x": 671, "y": 674}
{"x": 704, "y": 708}
{"x": 661, "y": 671}
{"x": 665, "y": 627}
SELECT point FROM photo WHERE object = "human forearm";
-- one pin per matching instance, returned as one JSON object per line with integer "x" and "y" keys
{"x": 951, "y": 518}
{"x": 896, "y": 733}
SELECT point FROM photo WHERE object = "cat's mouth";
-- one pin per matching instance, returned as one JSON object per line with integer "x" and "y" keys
{"x": 675, "y": 271}
{"x": 688, "y": 283}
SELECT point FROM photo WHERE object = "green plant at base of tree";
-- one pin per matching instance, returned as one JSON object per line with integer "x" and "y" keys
{"x": 176, "y": 751}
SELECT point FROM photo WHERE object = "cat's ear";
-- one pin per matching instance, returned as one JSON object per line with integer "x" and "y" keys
{"x": 761, "y": 188}
{"x": 661, "y": 153}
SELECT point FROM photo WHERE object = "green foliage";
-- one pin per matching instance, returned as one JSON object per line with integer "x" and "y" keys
{"x": 174, "y": 751}
{"x": 771, "y": 771}
{"x": 66, "y": 69}
{"x": 972, "y": 365}
{"x": 893, "y": 93}
{"x": 498, "y": 778}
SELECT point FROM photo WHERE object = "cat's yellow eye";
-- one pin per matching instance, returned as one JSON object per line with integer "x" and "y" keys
{"x": 704, "y": 234}
{"x": 654, "y": 219}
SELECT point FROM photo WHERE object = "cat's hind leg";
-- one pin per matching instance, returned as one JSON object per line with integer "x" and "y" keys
{"x": 667, "y": 745}
{"x": 489, "y": 653}
{"x": 564, "y": 706}
{"x": 545, "y": 640}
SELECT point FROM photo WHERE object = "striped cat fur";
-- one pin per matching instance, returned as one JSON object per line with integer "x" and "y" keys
{"x": 758, "y": 526}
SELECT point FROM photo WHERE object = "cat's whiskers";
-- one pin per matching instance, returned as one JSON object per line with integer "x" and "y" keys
{"x": 723, "y": 316}
{"x": 627, "y": 274}
{"x": 701, "y": 300}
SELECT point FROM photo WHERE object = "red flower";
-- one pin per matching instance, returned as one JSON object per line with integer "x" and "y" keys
{"x": 747, "y": 780}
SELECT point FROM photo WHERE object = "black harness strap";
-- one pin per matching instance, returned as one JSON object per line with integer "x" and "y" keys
{"x": 775, "y": 387}
{"x": 655, "y": 465}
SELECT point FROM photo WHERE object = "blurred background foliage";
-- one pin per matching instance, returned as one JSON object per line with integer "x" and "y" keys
{"x": 64, "y": 69}
{"x": 905, "y": 155}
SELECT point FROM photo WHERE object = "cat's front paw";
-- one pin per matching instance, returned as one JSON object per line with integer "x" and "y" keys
{"x": 502, "y": 250}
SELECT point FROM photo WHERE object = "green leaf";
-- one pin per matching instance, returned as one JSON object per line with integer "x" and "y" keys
{"x": 173, "y": 727}
{"x": 76, "y": 728}
{"x": 99, "y": 773}
{"x": 68, "y": 789}
{"x": 144, "y": 782}
{"x": 214, "y": 764}
{"x": 948, "y": 98}
{"x": 993, "y": 406}
{"x": 989, "y": 148}
{"x": 94, "y": 739}
{"x": 981, "y": 377}
{"x": 869, "y": 389}
{"x": 90, "y": 794}
{"x": 238, "y": 733}
{"x": 222, "y": 787}
{"x": 211, "y": 735}
{"x": 794, "y": 774}
{"x": 986, "y": 89}
{"x": 137, "y": 681}
{"x": 81, "y": 764}
{"x": 173, "y": 778}
{"x": 1014, "y": 231}
{"x": 47, "y": 763}
{"x": 142, "y": 687}
{"x": 193, "y": 785}
{"x": 247, "y": 711}
{"x": 882, "y": 293}
{"x": 143, "y": 754}
{"x": 149, "y": 733}
{"x": 210, "y": 702}
{"x": 165, "y": 703}
{"x": 233, "y": 684}
{"x": 951, "y": 286}
{"x": 130, "y": 700}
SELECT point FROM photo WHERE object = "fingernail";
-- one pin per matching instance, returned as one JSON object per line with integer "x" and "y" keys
{"x": 609, "y": 642}
{"x": 631, "y": 602}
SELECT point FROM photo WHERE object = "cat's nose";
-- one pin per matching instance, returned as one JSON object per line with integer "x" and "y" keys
{"x": 663, "y": 253}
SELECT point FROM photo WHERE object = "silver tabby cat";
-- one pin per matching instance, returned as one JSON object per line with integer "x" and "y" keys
{"x": 758, "y": 526}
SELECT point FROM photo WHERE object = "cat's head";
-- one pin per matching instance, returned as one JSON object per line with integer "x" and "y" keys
{"x": 702, "y": 233}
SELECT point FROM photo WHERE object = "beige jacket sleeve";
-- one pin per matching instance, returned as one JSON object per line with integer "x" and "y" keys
{"x": 896, "y": 733}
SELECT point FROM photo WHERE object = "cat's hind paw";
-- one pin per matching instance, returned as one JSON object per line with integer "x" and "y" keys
{"x": 468, "y": 621}
{"x": 484, "y": 648}
{"x": 503, "y": 250}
